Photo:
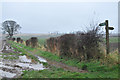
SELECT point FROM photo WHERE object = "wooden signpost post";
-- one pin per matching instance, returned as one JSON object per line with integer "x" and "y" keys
{"x": 106, "y": 24}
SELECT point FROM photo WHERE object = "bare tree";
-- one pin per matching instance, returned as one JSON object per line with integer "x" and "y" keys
{"x": 10, "y": 27}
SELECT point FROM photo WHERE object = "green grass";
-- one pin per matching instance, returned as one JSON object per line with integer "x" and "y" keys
{"x": 24, "y": 52}
{"x": 1, "y": 56}
{"x": 95, "y": 68}
{"x": 41, "y": 41}
{"x": 11, "y": 57}
{"x": 51, "y": 73}
{"x": 13, "y": 54}
{"x": 54, "y": 72}
{"x": 9, "y": 54}
{"x": 92, "y": 66}
{"x": 113, "y": 39}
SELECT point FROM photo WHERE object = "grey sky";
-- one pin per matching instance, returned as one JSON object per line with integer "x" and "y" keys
{"x": 44, "y": 17}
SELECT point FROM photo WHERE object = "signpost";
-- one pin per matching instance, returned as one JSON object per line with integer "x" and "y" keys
{"x": 107, "y": 34}
{"x": 110, "y": 28}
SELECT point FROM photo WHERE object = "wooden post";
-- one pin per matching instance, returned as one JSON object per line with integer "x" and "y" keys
{"x": 107, "y": 37}
{"x": 107, "y": 34}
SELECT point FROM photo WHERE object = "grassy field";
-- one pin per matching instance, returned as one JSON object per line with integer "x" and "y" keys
{"x": 113, "y": 39}
{"x": 42, "y": 41}
{"x": 96, "y": 69}
{"x": 43, "y": 37}
{"x": 39, "y": 36}
{"x": 54, "y": 72}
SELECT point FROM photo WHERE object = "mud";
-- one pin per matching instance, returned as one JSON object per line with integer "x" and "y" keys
{"x": 41, "y": 59}
{"x": 13, "y": 68}
{"x": 58, "y": 64}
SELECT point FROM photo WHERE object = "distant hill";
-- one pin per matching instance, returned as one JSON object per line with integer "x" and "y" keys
{"x": 40, "y": 36}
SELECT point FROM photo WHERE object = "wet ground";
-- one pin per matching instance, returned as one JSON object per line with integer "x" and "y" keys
{"x": 12, "y": 62}
{"x": 56, "y": 64}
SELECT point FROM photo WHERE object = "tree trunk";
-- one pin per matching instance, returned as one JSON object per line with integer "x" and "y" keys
{"x": 10, "y": 36}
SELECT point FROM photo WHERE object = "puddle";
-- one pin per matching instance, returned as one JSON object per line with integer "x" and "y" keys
{"x": 8, "y": 48}
{"x": 1, "y": 65}
{"x": 31, "y": 66}
{"x": 6, "y": 74}
{"x": 14, "y": 68}
{"x": 37, "y": 66}
{"x": 20, "y": 53}
{"x": 24, "y": 59}
{"x": 28, "y": 63}
{"x": 41, "y": 59}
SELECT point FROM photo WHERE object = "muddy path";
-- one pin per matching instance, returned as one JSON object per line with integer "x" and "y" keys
{"x": 65, "y": 67}
{"x": 58, "y": 64}
{"x": 13, "y": 63}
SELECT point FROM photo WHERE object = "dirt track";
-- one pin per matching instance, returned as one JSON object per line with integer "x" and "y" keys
{"x": 61, "y": 65}
{"x": 13, "y": 68}
{"x": 12, "y": 63}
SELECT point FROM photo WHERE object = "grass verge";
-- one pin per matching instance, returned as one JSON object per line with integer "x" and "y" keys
{"x": 94, "y": 67}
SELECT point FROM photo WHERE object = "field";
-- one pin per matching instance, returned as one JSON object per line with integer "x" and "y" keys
{"x": 114, "y": 41}
{"x": 63, "y": 66}
{"x": 94, "y": 67}
{"x": 59, "y": 40}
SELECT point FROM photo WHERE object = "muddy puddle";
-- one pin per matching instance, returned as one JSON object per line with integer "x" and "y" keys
{"x": 24, "y": 59}
{"x": 41, "y": 59}
{"x": 6, "y": 74}
{"x": 13, "y": 68}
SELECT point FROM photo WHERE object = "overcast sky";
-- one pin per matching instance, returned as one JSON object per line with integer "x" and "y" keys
{"x": 44, "y": 17}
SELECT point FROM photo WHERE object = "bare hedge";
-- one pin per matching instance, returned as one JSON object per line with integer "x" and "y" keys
{"x": 81, "y": 45}
{"x": 21, "y": 41}
{"x": 18, "y": 39}
{"x": 13, "y": 39}
{"x": 27, "y": 42}
{"x": 32, "y": 42}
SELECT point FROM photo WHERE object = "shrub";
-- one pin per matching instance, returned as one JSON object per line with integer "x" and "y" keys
{"x": 18, "y": 39}
{"x": 21, "y": 41}
{"x": 34, "y": 42}
{"x": 27, "y": 42}
{"x": 66, "y": 44}
{"x": 13, "y": 39}
{"x": 81, "y": 45}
